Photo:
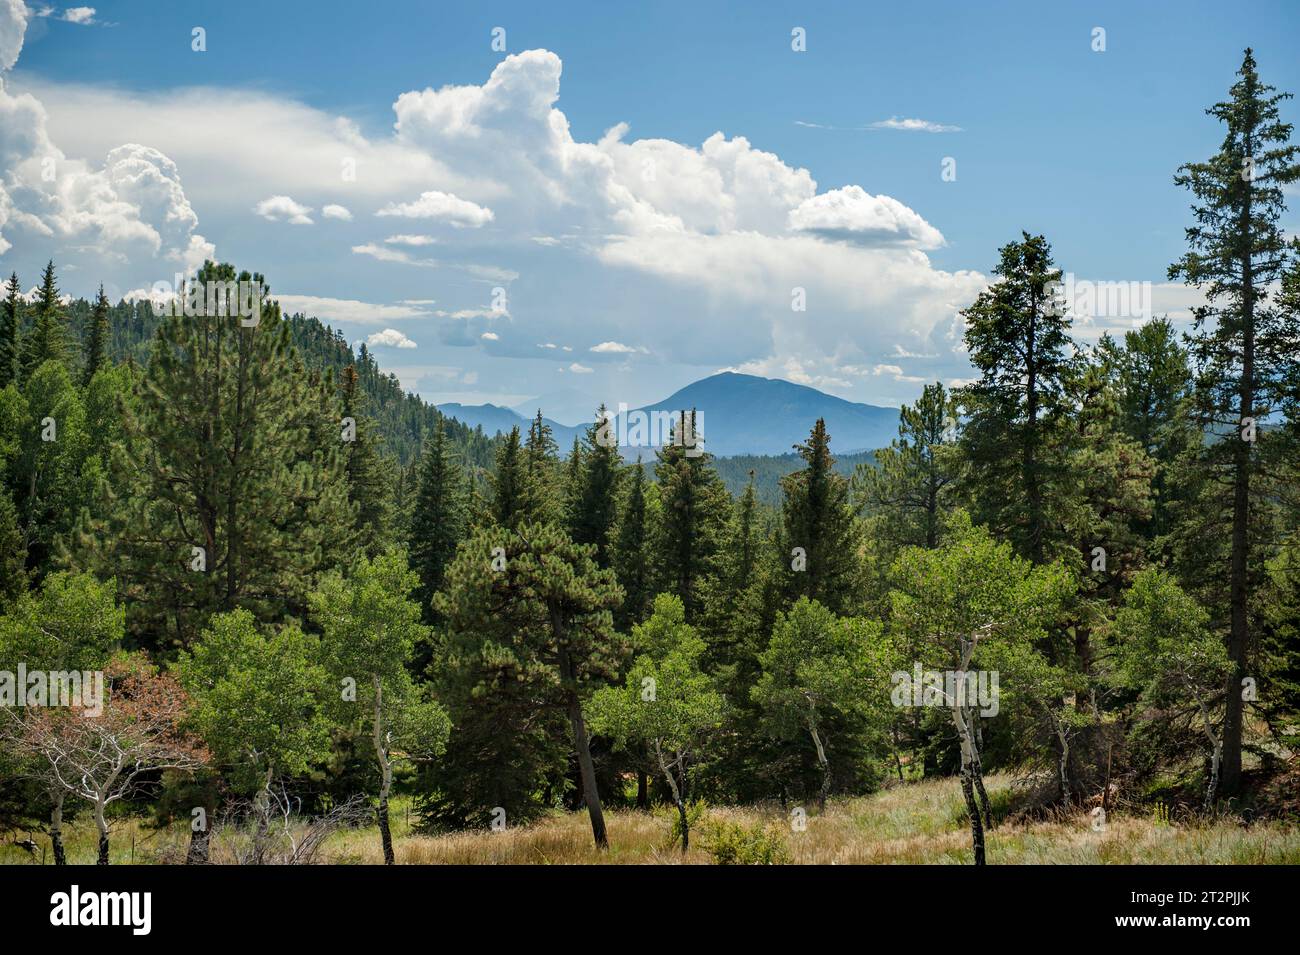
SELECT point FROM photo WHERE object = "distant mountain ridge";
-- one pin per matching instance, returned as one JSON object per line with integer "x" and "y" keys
{"x": 738, "y": 414}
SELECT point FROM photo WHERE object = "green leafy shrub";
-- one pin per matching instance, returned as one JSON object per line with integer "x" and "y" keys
{"x": 731, "y": 843}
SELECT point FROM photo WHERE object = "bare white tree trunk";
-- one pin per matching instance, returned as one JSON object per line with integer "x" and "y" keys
{"x": 822, "y": 761}
{"x": 101, "y": 823}
{"x": 967, "y": 738}
{"x": 679, "y": 797}
{"x": 386, "y": 770}
{"x": 56, "y": 827}
{"x": 971, "y": 774}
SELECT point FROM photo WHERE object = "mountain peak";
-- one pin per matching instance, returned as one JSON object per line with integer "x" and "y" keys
{"x": 739, "y": 414}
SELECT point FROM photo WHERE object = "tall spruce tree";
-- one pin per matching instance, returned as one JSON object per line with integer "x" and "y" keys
{"x": 10, "y": 332}
{"x": 542, "y": 491}
{"x": 1017, "y": 336}
{"x": 819, "y": 536}
{"x": 597, "y": 500}
{"x": 510, "y": 504}
{"x": 97, "y": 340}
{"x": 631, "y": 559}
{"x": 573, "y": 487}
{"x": 370, "y": 479}
{"x": 47, "y": 340}
{"x": 1246, "y": 348}
{"x": 692, "y": 522}
{"x": 438, "y": 517}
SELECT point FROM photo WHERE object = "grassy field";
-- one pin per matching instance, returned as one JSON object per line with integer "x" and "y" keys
{"x": 921, "y": 823}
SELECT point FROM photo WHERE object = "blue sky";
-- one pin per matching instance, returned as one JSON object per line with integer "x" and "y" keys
{"x": 652, "y": 258}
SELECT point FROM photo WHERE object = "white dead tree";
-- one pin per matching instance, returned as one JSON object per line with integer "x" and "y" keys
{"x": 103, "y": 758}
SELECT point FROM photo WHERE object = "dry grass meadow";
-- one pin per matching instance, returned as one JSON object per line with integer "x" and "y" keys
{"x": 917, "y": 824}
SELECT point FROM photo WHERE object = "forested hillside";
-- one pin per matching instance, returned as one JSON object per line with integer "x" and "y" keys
{"x": 401, "y": 418}
{"x": 310, "y": 595}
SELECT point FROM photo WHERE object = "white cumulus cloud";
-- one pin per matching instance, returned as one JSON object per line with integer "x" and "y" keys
{"x": 390, "y": 338}
{"x": 855, "y": 215}
{"x": 284, "y": 209}
{"x": 441, "y": 206}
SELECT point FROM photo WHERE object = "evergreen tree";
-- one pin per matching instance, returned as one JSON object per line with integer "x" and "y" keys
{"x": 10, "y": 334}
{"x": 819, "y": 535}
{"x": 533, "y": 604}
{"x": 692, "y": 524}
{"x": 368, "y": 473}
{"x": 54, "y": 473}
{"x": 1108, "y": 505}
{"x": 47, "y": 341}
{"x": 13, "y": 553}
{"x": 232, "y": 472}
{"x": 1154, "y": 383}
{"x": 438, "y": 518}
{"x": 1017, "y": 336}
{"x": 909, "y": 491}
{"x": 97, "y": 341}
{"x": 1246, "y": 348}
{"x": 631, "y": 559}
{"x": 510, "y": 505}
{"x": 573, "y": 487}
{"x": 541, "y": 473}
{"x": 597, "y": 500}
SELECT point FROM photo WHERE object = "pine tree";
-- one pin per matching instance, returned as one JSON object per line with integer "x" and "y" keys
{"x": 54, "y": 473}
{"x": 1154, "y": 383}
{"x": 1017, "y": 336}
{"x": 573, "y": 487}
{"x": 1109, "y": 503}
{"x": 438, "y": 518}
{"x": 910, "y": 489}
{"x": 47, "y": 340}
{"x": 745, "y": 538}
{"x": 819, "y": 536}
{"x": 539, "y": 614}
{"x": 10, "y": 323}
{"x": 597, "y": 500}
{"x": 369, "y": 476}
{"x": 692, "y": 524}
{"x": 510, "y": 503}
{"x": 631, "y": 560}
{"x": 1247, "y": 350}
{"x": 232, "y": 468}
{"x": 98, "y": 339}
{"x": 541, "y": 467}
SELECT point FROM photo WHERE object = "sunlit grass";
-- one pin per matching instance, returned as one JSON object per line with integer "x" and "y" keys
{"x": 918, "y": 824}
